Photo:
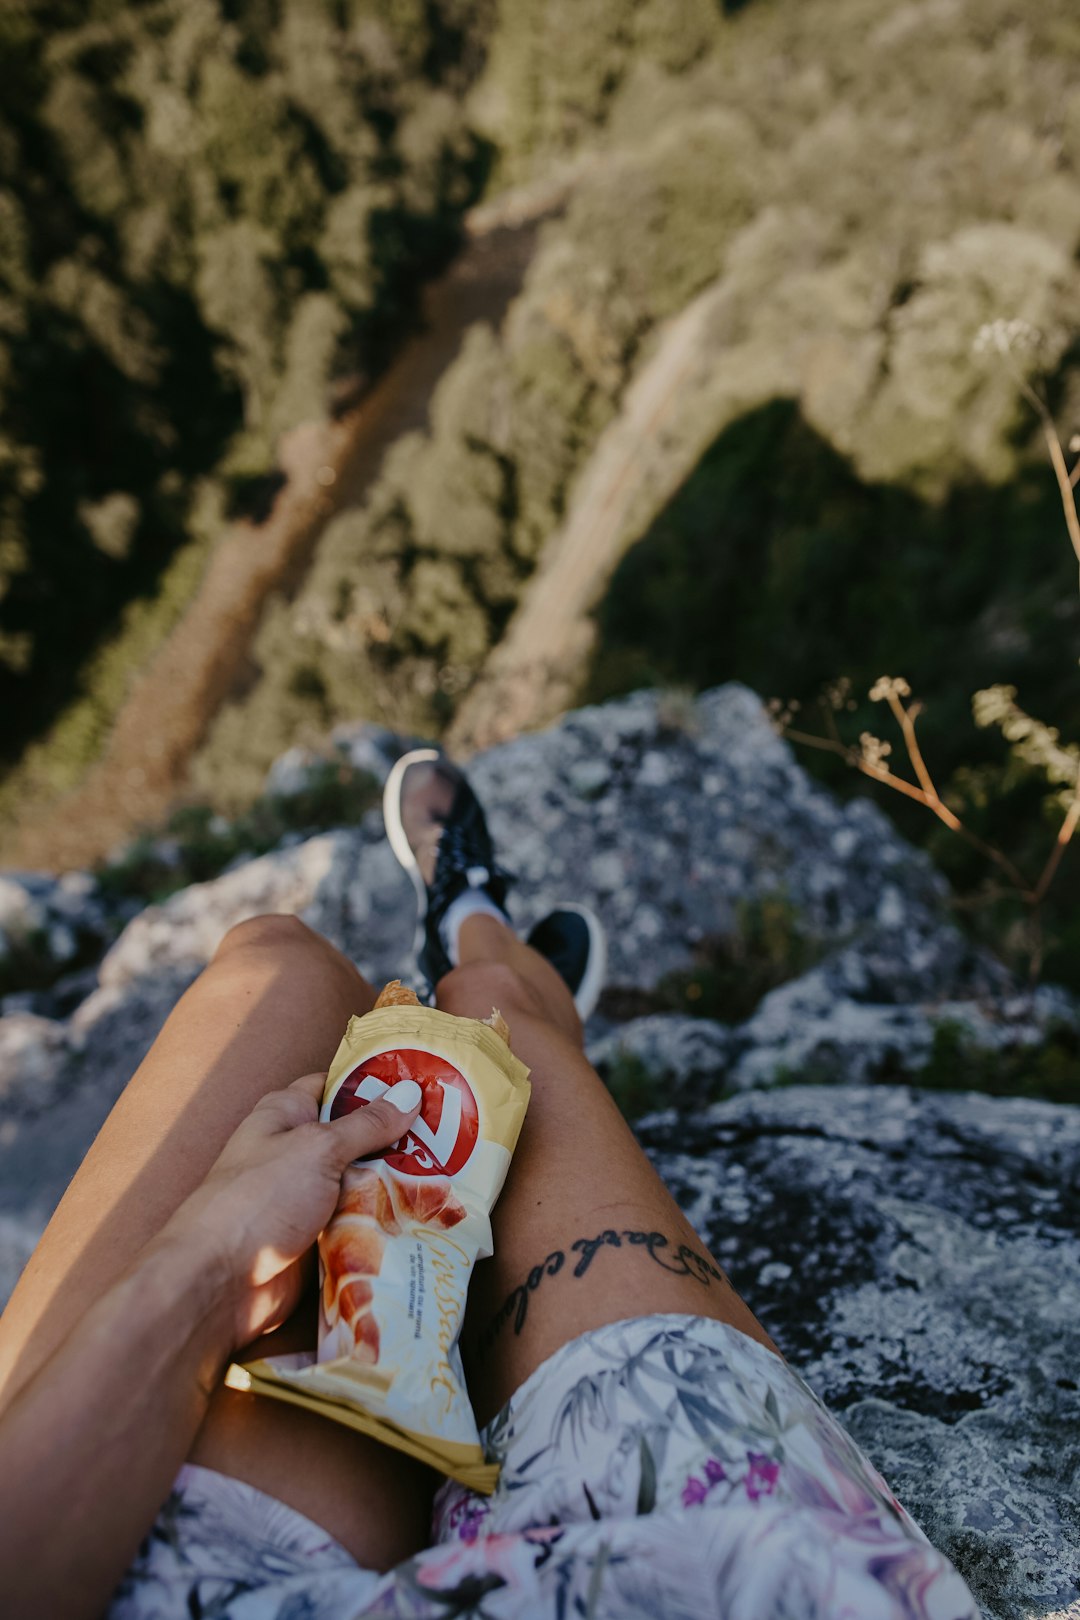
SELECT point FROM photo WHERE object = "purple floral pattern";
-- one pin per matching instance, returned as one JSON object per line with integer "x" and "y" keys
{"x": 697, "y": 1490}
{"x": 666, "y": 1465}
{"x": 761, "y": 1475}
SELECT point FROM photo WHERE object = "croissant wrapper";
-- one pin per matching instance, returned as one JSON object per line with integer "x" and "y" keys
{"x": 396, "y": 1258}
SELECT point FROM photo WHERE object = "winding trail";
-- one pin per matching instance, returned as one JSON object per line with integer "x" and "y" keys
{"x": 328, "y": 467}
{"x": 638, "y": 462}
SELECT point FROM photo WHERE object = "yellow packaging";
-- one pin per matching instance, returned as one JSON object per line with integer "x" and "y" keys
{"x": 396, "y": 1258}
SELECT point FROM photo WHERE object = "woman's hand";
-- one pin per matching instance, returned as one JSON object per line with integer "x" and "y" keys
{"x": 94, "y": 1439}
{"x": 262, "y": 1206}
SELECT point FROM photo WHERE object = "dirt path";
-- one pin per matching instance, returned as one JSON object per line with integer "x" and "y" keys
{"x": 329, "y": 466}
{"x": 531, "y": 676}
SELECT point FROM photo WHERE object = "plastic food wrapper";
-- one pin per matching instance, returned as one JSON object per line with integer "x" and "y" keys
{"x": 396, "y": 1258}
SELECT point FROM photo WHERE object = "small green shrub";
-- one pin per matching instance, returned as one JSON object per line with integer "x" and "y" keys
{"x": 733, "y": 971}
{"x": 198, "y": 844}
{"x": 1050, "y": 1071}
{"x": 27, "y": 964}
{"x": 636, "y": 1090}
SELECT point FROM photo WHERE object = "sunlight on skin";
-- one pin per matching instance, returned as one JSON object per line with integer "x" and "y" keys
{"x": 267, "y": 1264}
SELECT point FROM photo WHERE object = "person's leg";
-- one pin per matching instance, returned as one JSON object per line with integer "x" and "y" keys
{"x": 271, "y": 1006}
{"x": 585, "y": 1231}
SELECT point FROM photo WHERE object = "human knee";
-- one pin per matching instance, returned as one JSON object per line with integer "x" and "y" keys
{"x": 474, "y": 988}
{"x": 274, "y": 931}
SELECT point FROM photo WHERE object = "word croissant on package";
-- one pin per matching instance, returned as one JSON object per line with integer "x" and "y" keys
{"x": 396, "y": 1258}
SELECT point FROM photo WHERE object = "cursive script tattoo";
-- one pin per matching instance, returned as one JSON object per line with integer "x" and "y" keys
{"x": 681, "y": 1260}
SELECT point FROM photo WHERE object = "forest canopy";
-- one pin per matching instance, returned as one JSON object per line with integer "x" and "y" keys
{"x": 210, "y": 210}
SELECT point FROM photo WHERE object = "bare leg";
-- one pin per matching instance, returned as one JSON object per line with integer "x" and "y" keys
{"x": 585, "y": 1231}
{"x": 271, "y": 1006}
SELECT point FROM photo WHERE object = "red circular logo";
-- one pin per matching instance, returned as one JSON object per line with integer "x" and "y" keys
{"x": 442, "y": 1137}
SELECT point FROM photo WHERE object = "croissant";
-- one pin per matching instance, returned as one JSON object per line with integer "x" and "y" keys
{"x": 396, "y": 994}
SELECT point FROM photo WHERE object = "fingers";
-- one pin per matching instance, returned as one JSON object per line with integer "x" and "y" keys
{"x": 297, "y": 1104}
{"x": 370, "y": 1129}
{"x": 311, "y": 1085}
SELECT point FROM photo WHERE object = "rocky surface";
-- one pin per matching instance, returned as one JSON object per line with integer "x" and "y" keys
{"x": 893, "y": 1242}
{"x": 918, "y": 1259}
{"x": 670, "y": 823}
{"x": 49, "y": 925}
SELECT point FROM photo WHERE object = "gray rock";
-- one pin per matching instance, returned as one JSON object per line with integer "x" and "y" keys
{"x": 864, "y": 1014}
{"x": 22, "y": 909}
{"x": 48, "y": 924}
{"x": 363, "y": 746}
{"x": 691, "y": 1057}
{"x": 290, "y": 773}
{"x": 61, "y": 942}
{"x": 695, "y": 823}
{"x": 917, "y": 1257}
{"x": 589, "y": 777}
{"x": 32, "y": 1054}
{"x": 19, "y": 1001}
{"x": 371, "y": 748}
{"x": 74, "y": 891}
{"x": 187, "y": 928}
{"x": 668, "y": 831}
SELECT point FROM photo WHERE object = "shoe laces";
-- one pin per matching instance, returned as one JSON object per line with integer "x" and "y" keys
{"x": 465, "y": 859}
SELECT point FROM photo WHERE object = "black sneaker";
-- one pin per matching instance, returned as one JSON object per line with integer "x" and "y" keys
{"x": 437, "y": 831}
{"x": 572, "y": 939}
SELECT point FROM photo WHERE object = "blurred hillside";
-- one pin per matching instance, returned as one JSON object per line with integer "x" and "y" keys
{"x": 845, "y": 191}
{"x": 210, "y": 215}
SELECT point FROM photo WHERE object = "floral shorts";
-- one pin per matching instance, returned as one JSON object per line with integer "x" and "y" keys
{"x": 663, "y": 1466}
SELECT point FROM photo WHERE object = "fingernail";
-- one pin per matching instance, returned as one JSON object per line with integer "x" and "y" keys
{"x": 405, "y": 1096}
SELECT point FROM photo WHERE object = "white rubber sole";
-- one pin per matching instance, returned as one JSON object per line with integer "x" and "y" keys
{"x": 395, "y": 830}
{"x": 588, "y": 991}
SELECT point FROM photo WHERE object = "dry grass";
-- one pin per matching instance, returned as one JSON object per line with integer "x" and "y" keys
{"x": 1032, "y": 740}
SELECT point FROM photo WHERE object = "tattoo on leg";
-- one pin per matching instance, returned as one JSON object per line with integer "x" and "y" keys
{"x": 681, "y": 1260}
